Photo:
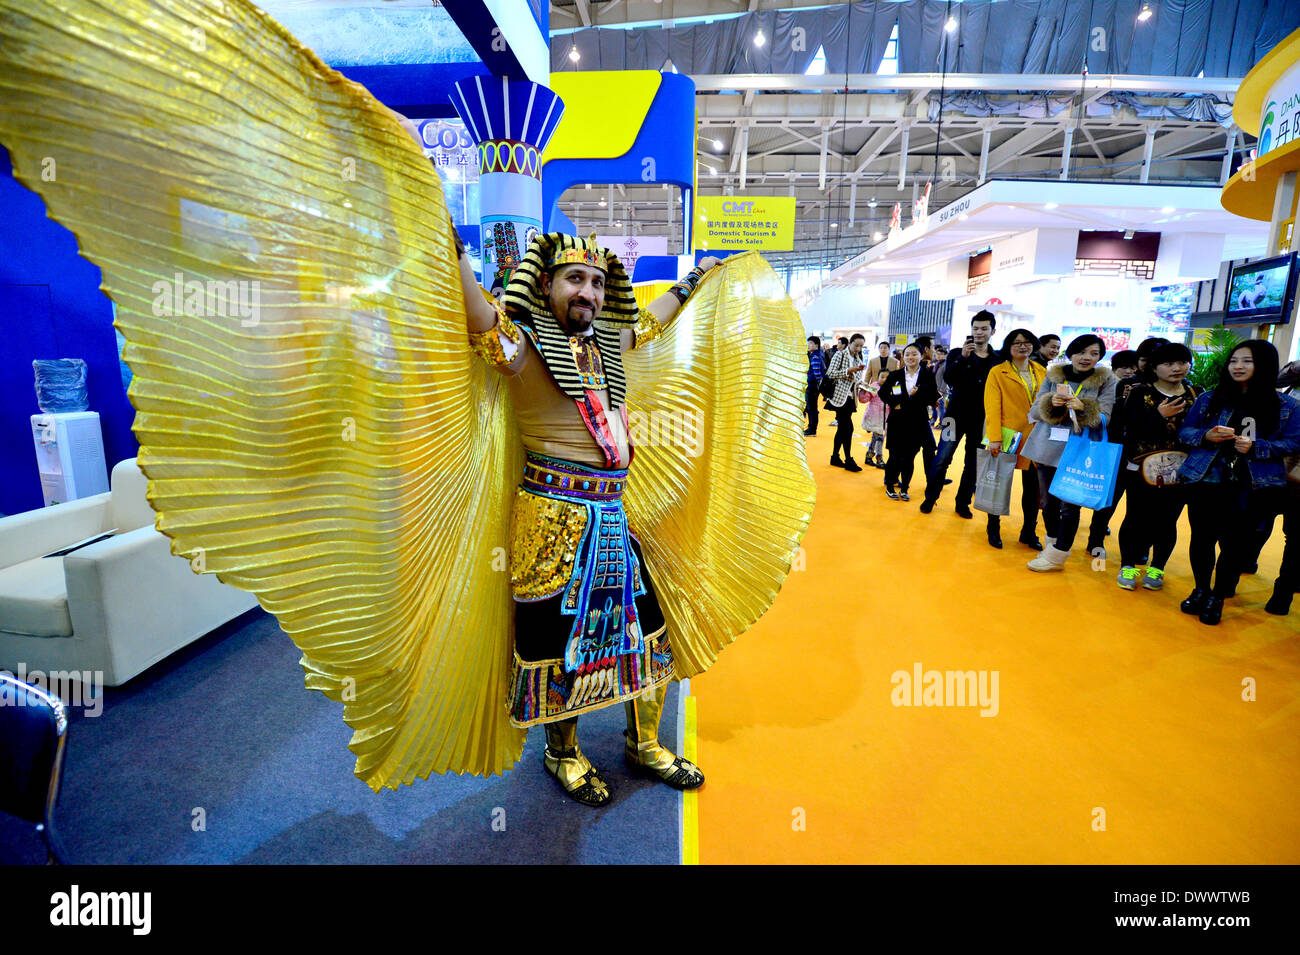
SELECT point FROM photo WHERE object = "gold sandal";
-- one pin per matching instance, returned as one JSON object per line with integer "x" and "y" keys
{"x": 646, "y": 754}
{"x": 565, "y": 763}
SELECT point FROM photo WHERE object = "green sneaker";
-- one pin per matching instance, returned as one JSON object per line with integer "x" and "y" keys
{"x": 1128, "y": 578}
{"x": 1155, "y": 579}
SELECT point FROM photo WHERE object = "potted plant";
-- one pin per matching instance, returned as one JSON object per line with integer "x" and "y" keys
{"x": 1210, "y": 360}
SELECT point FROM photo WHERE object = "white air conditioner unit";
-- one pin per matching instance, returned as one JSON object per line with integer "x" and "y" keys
{"x": 69, "y": 455}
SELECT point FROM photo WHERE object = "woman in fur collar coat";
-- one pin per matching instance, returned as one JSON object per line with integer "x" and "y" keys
{"x": 1073, "y": 397}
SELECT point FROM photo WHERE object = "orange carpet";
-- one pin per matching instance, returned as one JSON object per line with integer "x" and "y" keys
{"x": 1121, "y": 733}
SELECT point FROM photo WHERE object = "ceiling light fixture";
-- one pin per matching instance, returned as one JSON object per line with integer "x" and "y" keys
{"x": 601, "y": 203}
{"x": 1050, "y": 205}
{"x": 1145, "y": 14}
{"x": 872, "y": 204}
{"x": 717, "y": 144}
{"x": 574, "y": 55}
{"x": 759, "y": 39}
{"x": 877, "y": 236}
{"x": 951, "y": 24}
{"x": 1166, "y": 209}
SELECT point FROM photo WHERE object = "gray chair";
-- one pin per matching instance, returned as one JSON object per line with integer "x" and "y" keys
{"x": 33, "y": 734}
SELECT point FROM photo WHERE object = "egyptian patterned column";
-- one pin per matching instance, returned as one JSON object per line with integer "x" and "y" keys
{"x": 511, "y": 121}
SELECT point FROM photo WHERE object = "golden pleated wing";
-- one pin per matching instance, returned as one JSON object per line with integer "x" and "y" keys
{"x": 719, "y": 491}
{"x": 312, "y": 422}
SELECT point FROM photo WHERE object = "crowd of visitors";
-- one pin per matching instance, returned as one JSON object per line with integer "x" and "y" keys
{"x": 1228, "y": 455}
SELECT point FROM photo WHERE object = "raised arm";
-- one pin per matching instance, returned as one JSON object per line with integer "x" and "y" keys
{"x": 665, "y": 308}
{"x": 480, "y": 316}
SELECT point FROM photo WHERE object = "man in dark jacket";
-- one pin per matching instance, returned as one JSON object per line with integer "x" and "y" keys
{"x": 964, "y": 374}
{"x": 816, "y": 372}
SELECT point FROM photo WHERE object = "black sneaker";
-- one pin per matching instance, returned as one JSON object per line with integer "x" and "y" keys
{"x": 927, "y": 506}
{"x": 810, "y": 434}
{"x": 850, "y": 464}
{"x": 892, "y": 494}
{"x": 836, "y": 462}
{"x": 964, "y": 511}
{"x": 903, "y": 495}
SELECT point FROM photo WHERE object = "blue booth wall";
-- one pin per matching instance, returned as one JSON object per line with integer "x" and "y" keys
{"x": 53, "y": 308}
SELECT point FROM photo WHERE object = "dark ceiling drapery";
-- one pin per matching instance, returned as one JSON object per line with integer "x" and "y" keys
{"x": 1182, "y": 38}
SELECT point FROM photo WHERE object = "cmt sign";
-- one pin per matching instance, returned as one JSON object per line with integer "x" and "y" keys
{"x": 741, "y": 223}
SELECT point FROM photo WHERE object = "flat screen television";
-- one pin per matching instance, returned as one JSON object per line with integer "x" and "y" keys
{"x": 1261, "y": 291}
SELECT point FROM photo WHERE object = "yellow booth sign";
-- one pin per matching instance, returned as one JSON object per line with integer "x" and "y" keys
{"x": 745, "y": 222}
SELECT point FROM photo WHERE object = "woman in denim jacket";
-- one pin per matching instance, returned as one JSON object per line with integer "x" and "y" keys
{"x": 1238, "y": 435}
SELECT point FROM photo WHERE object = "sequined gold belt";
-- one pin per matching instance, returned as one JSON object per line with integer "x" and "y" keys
{"x": 555, "y": 476}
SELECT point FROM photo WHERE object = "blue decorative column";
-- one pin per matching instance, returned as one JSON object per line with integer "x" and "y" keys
{"x": 511, "y": 121}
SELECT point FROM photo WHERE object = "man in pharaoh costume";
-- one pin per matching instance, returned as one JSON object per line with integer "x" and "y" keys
{"x": 588, "y": 630}
{"x": 335, "y": 446}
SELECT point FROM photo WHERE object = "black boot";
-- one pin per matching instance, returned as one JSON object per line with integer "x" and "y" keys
{"x": 1280, "y": 602}
{"x": 1030, "y": 539}
{"x": 1212, "y": 612}
{"x": 850, "y": 464}
{"x": 995, "y": 532}
{"x": 835, "y": 460}
{"x": 1195, "y": 602}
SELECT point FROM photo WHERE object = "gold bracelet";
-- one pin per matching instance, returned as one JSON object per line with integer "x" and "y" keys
{"x": 487, "y": 345}
{"x": 647, "y": 329}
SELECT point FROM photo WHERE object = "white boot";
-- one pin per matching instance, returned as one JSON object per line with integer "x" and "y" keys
{"x": 1050, "y": 559}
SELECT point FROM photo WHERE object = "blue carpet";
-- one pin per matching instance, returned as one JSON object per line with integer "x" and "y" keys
{"x": 225, "y": 725}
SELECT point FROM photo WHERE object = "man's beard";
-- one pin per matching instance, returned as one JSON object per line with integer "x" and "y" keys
{"x": 571, "y": 322}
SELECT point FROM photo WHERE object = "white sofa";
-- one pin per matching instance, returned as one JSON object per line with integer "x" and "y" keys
{"x": 117, "y": 606}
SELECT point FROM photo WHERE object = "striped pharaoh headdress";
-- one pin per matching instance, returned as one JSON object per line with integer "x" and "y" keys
{"x": 554, "y": 250}
{"x": 524, "y": 294}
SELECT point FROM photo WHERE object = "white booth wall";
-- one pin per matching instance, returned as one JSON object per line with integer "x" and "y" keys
{"x": 849, "y": 306}
{"x": 1066, "y": 306}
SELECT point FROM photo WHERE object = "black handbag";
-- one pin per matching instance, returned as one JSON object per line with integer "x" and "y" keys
{"x": 827, "y": 388}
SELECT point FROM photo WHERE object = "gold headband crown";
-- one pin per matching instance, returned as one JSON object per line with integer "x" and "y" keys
{"x": 586, "y": 252}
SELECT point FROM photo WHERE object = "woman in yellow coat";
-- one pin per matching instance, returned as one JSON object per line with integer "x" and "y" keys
{"x": 1008, "y": 393}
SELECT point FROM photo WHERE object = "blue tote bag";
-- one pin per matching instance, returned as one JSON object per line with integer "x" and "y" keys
{"x": 1088, "y": 472}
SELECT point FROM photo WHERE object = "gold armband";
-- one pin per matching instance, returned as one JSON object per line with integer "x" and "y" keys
{"x": 490, "y": 345}
{"x": 648, "y": 328}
